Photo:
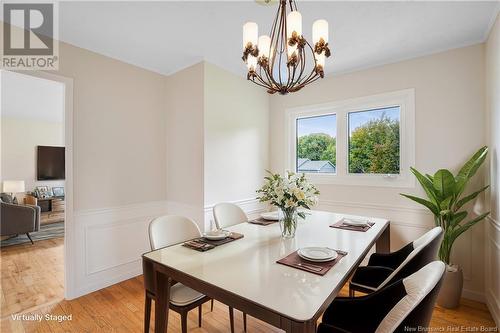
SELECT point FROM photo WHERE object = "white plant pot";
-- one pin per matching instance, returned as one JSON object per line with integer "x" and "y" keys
{"x": 451, "y": 289}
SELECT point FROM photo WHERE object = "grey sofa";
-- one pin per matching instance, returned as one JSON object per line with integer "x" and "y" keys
{"x": 18, "y": 219}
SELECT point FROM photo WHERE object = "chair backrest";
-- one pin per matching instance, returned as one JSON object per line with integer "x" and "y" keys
{"x": 171, "y": 229}
{"x": 228, "y": 214}
{"x": 414, "y": 309}
{"x": 165, "y": 231}
{"x": 425, "y": 250}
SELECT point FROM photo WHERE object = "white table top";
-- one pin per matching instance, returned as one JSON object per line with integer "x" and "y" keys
{"x": 247, "y": 267}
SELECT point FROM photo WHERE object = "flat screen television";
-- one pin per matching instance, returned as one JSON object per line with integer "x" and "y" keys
{"x": 50, "y": 163}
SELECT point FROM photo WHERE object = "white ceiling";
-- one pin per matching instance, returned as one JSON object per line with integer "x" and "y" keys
{"x": 168, "y": 36}
{"x": 28, "y": 97}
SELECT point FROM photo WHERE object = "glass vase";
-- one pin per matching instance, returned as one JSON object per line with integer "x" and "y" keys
{"x": 288, "y": 222}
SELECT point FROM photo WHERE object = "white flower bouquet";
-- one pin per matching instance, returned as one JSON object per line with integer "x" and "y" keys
{"x": 288, "y": 193}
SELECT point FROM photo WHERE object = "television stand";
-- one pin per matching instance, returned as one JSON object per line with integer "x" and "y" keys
{"x": 52, "y": 210}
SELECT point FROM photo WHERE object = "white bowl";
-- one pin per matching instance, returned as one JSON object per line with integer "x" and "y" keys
{"x": 216, "y": 234}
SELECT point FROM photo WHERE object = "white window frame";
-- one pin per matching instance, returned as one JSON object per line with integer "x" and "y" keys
{"x": 405, "y": 99}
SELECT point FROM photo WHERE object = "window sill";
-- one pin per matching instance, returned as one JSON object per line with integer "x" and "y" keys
{"x": 361, "y": 180}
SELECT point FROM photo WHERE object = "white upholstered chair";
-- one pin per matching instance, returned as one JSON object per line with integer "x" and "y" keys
{"x": 228, "y": 214}
{"x": 166, "y": 231}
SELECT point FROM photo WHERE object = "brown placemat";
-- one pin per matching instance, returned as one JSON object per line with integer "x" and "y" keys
{"x": 262, "y": 221}
{"x": 340, "y": 225}
{"x": 232, "y": 237}
{"x": 319, "y": 268}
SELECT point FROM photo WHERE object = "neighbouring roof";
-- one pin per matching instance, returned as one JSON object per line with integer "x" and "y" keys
{"x": 306, "y": 165}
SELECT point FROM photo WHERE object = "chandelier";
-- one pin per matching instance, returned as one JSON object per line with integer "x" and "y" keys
{"x": 285, "y": 62}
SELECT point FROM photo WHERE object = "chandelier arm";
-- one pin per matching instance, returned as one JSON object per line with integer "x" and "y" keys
{"x": 282, "y": 40}
{"x": 260, "y": 84}
{"x": 313, "y": 71}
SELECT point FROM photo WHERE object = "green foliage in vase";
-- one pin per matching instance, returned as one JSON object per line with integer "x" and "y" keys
{"x": 446, "y": 200}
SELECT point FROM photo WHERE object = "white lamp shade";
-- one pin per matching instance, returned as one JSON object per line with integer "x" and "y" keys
{"x": 13, "y": 186}
{"x": 291, "y": 50}
{"x": 320, "y": 59}
{"x": 250, "y": 33}
{"x": 293, "y": 23}
{"x": 251, "y": 63}
{"x": 320, "y": 30}
{"x": 264, "y": 46}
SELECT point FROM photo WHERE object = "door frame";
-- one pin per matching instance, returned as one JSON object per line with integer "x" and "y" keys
{"x": 69, "y": 234}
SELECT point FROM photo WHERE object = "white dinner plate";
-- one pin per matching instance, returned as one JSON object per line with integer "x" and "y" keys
{"x": 216, "y": 234}
{"x": 318, "y": 254}
{"x": 355, "y": 222}
{"x": 271, "y": 216}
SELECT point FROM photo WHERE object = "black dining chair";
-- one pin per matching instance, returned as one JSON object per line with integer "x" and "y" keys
{"x": 403, "y": 306}
{"x": 385, "y": 268}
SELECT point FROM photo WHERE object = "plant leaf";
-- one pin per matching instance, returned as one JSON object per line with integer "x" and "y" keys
{"x": 426, "y": 185}
{"x": 457, "y": 218}
{"x": 463, "y": 228}
{"x": 468, "y": 198}
{"x": 444, "y": 183}
{"x": 431, "y": 206}
{"x": 469, "y": 169}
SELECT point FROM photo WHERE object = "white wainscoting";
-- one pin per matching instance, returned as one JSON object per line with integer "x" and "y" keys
{"x": 408, "y": 224}
{"x": 492, "y": 288}
{"x": 109, "y": 243}
{"x": 252, "y": 207}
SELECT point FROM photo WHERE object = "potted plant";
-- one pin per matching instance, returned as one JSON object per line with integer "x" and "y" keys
{"x": 446, "y": 200}
{"x": 288, "y": 193}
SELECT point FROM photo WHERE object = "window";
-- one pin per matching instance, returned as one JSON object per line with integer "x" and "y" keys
{"x": 316, "y": 144}
{"x": 374, "y": 141}
{"x": 363, "y": 141}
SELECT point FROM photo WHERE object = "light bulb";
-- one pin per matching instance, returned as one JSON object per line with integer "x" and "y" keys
{"x": 291, "y": 50}
{"x": 250, "y": 34}
{"x": 320, "y": 31}
{"x": 293, "y": 23}
{"x": 264, "y": 46}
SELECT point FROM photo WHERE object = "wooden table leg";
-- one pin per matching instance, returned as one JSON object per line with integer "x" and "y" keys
{"x": 162, "y": 301}
{"x": 383, "y": 244}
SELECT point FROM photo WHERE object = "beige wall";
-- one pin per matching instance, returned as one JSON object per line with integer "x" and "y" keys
{"x": 449, "y": 92}
{"x": 492, "y": 262}
{"x": 119, "y": 130}
{"x": 20, "y": 137}
{"x": 236, "y": 136}
{"x": 184, "y": 136}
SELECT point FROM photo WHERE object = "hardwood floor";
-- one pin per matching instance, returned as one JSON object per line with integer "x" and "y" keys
{"x": 32, "y": 278}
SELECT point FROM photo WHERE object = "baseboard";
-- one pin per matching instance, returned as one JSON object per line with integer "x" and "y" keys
{"x": 109, "y": 281}
{"x": 493, "y": 305}
{"x": 474, "y": 295}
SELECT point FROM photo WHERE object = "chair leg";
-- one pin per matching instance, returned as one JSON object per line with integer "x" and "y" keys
{"x": 244, "y": 321}
{"x": 351, "y": 292}
{"x": 184, "y": 322}
{"x": 199, "y": 315}
{"x": 212, "y": 305}
{"x": 147, "y": 313}
{"x": 231, "y": 319}
{"x": 28, "y": 234}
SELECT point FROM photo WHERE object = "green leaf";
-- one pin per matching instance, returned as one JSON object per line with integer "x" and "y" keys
{"x": 444, "y": 183}
{"x": 469, "y": 169}
{"x": 431, "y": 206}
{"x": 426, "y": 185}
{"x": 445, "y": 204}
{"x": 430, "y": 177}
{"x": 463, "y": 228}
{"x": 468, "y": 198}
{"x": 302, "y": 214}
{"x": 457, "y": 218}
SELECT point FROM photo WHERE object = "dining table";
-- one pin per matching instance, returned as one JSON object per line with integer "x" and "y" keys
{"x": 244, "y": 274}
